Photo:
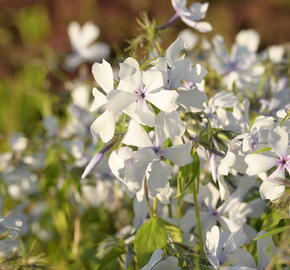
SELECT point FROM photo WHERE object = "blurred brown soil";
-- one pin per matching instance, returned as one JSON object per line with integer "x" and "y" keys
{"x": 117, "y": 21}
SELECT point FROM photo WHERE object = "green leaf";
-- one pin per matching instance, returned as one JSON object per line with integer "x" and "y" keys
{"x": 272, "y": 232}
{"x": 174, "y": 233}
{"x": 108, "y": 252}
{"x": 262, "y": 150}
{"x": 272, "y": 221}
{"x": 150, "y": 236}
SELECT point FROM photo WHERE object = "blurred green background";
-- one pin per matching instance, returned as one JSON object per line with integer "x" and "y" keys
{"x": 33, "y": 41}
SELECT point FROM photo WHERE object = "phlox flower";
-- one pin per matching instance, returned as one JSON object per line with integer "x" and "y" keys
{"x": 266, "y": 250}
{"x": 231, "y": 214}
{"x": 136, "y": 91}
{"x": 224, "y": 252}
{"x": 179, "y": 73}
{"x": 193, "y": 15}
{"x": 279, "y": 158}
{"x": 249, "y": 38}
{"x": 157, "y": 262}
{"x": 11, "y": 224}
{"x": 104, "y": 125}
{"x": 279, "y": 90}
{"x": 148, "y": 160}
{"x": 84, "y": 50}
{"x": 240, "y": 68}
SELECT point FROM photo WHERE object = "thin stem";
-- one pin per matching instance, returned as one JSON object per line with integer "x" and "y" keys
{"x": 169, "y": 23}
{"x": 155, "y": 202}
{"x": 284, "y": 119}
{"x": 197, "y": 216}
{"x": 151, "y": 212}
{"x": 77, "y": 236}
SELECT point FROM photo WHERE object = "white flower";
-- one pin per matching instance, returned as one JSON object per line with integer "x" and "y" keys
{"x": 231, "y": 214}
{"x": 84, "y": 49}
{"x": 248, "y": 38}
{"x": 157, "y": 262}
{"x": 192, "y": 15}
{"x": 224, "y": 252}
{"x": 266, "y": 250}
{"x": 136, "y": 90}
{"x": 257, "y": 136}
{"x": 258, "y": 163}
{"x": 18, "y": 142}
{"x": 104, "y": 125}
{"x": 276, "y": 53}
{"x": 147, "y": 160}
{"x": 239, "y": 68}
{"x": 190, "y": 39}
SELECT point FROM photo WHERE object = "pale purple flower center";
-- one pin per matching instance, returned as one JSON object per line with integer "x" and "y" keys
{"x": 232, "y": 66}
{"x": 156, "y": 149}
{"x": 283, "y": 162}
{"x": 140, "y": 93}
{"x": 254, "y": 142}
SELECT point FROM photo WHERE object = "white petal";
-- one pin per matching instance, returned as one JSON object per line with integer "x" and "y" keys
{"x": 242, "y": 258}
{"x": 192, "y": 100}
{"x": 96, "y": 52}
{"x": 152, "y": 80}
{"x": 156, "y": 257}
{"x": 278, "y": 140}
{"x": 234, "y": 241}
{"x": 93, "y": 162}
{"x": 89, "y": 33}
{"x": 159, "y": 175}
{"x": 117, "y": 161}
{"x": 179, "y": 154}
{"x": 104, "y": 126}
{"x": 173, "y": 51}
{"x": 258, "y": 163}
{"x": 144, "y": 113}
{"x": 130, "y": 67}
{"x": 103, "y": 75}
{"x": 249, "y": 39}
{"x": 212, "y": 240}
{"x": 271, "y": 191}
{"x": 203, "y": 27}
{"x": 266, "y": 249}
{"x": 137, "y": 136}
{"x": 99, "y": 100}
{"x": 135, "y": 173}
{"x": 164, "y": 100}
{"x": 209, "y": 194}
{"x": 118, "y": 100}
{"x": 187, "y": 222}
{"x": 171, "y": 123}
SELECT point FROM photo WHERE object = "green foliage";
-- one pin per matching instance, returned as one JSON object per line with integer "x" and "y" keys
{"x": 150, "y": 236}
{"x": 33, "y": 24}
{"x": 109, "y": 250}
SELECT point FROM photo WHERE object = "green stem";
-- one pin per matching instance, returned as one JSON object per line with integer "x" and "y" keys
{"x": 150, "y": 210}
{"x": 155, "y": 203}
{"x": 284, "y": 119}
{"x": 197, "y": 216}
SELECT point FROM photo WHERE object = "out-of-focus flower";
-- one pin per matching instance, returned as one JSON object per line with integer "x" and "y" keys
{"x": 224, "y": 252}
{"x": 248, "y": 38}
{"x": 266, "y": 250}
{"x": 276, "y": 53}
{"x": 157, "y": 262}
{"x": 190, "y": 39}
{"x": 240, "y": 68}
{"x": 193, "y": 15}
{"x": 258, "y": 164}
{"x": 84, "y": 48}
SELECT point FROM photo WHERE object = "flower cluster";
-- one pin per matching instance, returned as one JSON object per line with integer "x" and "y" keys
{"x": 197, "y": 137}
